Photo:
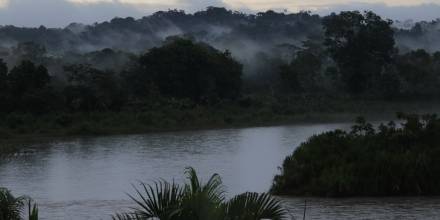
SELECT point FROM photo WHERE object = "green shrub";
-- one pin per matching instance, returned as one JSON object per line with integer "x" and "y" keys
{"x": 387, "y": 161}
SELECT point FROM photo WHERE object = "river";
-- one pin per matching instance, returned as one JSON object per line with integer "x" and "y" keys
{"x": 87, "y": 178}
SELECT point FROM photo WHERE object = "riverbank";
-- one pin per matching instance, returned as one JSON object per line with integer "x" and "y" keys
{"x": 172, "y": 118}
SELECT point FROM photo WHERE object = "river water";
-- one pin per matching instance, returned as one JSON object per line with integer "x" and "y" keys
{"x": 88, "y": 177}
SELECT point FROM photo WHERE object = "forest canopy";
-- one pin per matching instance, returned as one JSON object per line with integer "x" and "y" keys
{"x": 212, "y": 57}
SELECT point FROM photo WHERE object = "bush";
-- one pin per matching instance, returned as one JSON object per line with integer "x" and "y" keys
{"x": 388, "y": 161}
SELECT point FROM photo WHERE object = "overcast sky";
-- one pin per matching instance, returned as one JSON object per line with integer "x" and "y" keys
{"x": 58, "y": 13}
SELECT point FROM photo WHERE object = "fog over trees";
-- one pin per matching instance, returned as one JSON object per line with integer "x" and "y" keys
{"x": 213, "y": 56}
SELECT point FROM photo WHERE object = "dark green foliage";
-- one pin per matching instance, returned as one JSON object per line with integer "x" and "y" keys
{"x": 197, "y": 201}
{"x": 184, "y": 69}
{"x": 92, "y": 89}
{"x": 361, "y": 45}
{"x": 303, "y": 74}
{"x": 420, "y": 72}
{"x": 27, "y": 77}
{"x": 161, "y": 200}
{"x": 4, "y": 96}
{"x": 183, "y": 82}
{"x": 29, "y": 88}
{"x": 389, "y": 161}
{"x": 32, "y": 210}
{"x": 3, "y": 74}
{"x": 146, "y": 32}
{"x": 29, "y": 51}
{"x": 10, "y": 206}
{"x": 253, "y": 206}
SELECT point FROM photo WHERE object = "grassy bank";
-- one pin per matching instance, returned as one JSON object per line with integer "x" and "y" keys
{"x": 388, "y": 161}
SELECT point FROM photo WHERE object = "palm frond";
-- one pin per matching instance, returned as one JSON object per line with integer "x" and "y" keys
{"x": 127, "y": 216}
{"x": 199, "y": 201}
{"x": 254, "y": 206}
{"x": 202, "y": 201}
{"x": 10, "y": 206}
{"x": 160, "y": 200}
{"x": 194, "y": 183}
{"x": 213, "y": 189}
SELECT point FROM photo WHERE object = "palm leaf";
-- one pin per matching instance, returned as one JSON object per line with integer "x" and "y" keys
{"x": 10, "y": 206}
{"x": 254, "y": 206}
{"x": 198, "y": 201}
{"x": 32, "y": 210}
{"x": 160, "y": 200}
{"x": 126, "y": 216}
{"x": 202, "y": 201}
{"x": 213, "y": 189}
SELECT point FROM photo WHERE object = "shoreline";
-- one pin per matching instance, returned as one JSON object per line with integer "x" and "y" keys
{"x": 18, "y": 128}
{"x": 291, "y": 121}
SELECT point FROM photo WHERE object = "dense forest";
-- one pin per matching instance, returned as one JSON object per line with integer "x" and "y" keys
{"x": 392, "y": 160}
{"x": 213, "y": 60}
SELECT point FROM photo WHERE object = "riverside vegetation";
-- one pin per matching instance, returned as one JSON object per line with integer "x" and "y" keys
{"x": 347, "y": 62}
{"x": 391, "y": 160}
{"x": 203, "y": 76}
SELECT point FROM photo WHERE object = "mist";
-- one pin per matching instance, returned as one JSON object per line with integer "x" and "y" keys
{"x": 256, "y": 40}
{"x": 244, "y": 35}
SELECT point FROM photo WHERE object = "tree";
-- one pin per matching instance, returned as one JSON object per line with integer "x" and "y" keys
{"x": 417, "y": 69}
{"x": 92, "y": 89}
{"x": 361, "y": 45}
{"x": 30, "y": 87}
{"x": 29, "y": 51}
{"x": 184, "y": 69}
{"x": 27, "y": 76}
{"x": 3, "y": 85}
{"x": 303, "y": 73}
{"x": 3, "y": 73}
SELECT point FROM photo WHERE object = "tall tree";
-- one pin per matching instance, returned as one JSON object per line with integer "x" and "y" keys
{"x": 303, "y": 74}
{"x": 92, "y": 89}
{"x": 418, "y": 71}
{"x": 30, "y": 87}
{"x": 361, "y": 45}
{"x": 184, "y": 69}
{"x": 3, "y": 75}
{"x": 4, "y": 96}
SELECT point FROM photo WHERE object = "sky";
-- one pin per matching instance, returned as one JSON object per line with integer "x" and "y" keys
{"x": 59, "y": 13}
